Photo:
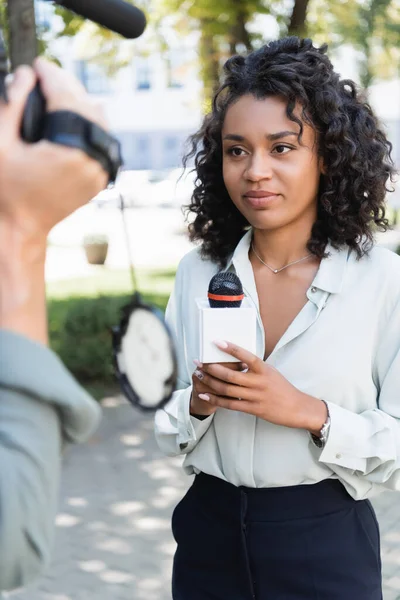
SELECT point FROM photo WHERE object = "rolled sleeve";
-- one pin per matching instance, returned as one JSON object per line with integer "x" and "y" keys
{"x": 32, "y": 369}
{"x": 41, "y": 407}
{"x": 343, "y": 447}
{"x": 367, "y": 444}
{"x": 176, "y": 431}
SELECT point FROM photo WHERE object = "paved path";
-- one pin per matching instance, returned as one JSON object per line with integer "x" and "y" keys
{"x": 113, "y": 528}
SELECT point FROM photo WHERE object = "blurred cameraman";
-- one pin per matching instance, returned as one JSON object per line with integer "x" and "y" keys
{"x": 41, "y": 405}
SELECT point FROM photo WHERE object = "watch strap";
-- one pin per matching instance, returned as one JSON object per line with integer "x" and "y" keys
{"x": 70, "y": 129}
{"x": 321, "y": 440}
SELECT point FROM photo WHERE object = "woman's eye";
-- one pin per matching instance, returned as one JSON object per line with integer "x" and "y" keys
{"x": 280, "y": 149}
{"x": 235, "y": 151}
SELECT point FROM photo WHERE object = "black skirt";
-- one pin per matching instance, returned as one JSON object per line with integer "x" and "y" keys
{"x": 306, "y": 542}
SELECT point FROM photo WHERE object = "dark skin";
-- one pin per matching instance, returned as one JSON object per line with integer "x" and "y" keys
{"x": 273, "y": 179}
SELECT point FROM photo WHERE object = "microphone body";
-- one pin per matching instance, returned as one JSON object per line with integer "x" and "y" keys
{"x": 116, "y": 15}
{"x": 235, "y": 321}
{"x": 225, "y": 291}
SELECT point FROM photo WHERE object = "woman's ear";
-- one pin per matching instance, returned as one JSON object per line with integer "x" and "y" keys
{"x": 322, "y": 166}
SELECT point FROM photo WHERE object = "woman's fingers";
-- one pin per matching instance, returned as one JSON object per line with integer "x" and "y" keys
{"x": 251, "y": 360}
{"x": 237, "y": 377}
{"x": 222, "y": 388}
{"x": 229, "y": 403}
{"x": 199, "y": 386}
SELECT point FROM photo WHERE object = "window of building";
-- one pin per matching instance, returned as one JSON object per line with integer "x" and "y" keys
{"x": 93, "y": 77}
{"x": 171, "y": 151}
{"x": 143, "y": 153}
{"x": 143, "y": 74}
{"x": 176, "y": 68}
{"x": 171, "y": 144}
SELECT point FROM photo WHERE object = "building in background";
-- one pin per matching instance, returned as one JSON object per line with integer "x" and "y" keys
{"x": 385, "y": 100}
{"x": 153, "y": 105}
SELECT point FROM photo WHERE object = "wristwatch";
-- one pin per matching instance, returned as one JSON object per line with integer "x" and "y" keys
{"x": 70, "y": 129}
{"x": 321, "y": 440}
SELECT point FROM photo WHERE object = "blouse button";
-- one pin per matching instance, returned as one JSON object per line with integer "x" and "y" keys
{"x": 338, "y": 456}
{"x": 313, "y": 289}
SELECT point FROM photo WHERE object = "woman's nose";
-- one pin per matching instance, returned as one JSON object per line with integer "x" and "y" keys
{"x": 259, "y": 167}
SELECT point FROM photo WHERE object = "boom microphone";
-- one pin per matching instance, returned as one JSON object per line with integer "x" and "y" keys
{"x": 116, "y": 15}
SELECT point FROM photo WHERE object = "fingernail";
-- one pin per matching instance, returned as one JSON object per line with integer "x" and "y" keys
{"x": 40, "y": 63}
{"x": 204, "y": 397}
{"x": 245, "y": 367}
{"x": 220, "y": 344}
{"x": 198, "y": 363}
{"x": 198, "y": 374}
{"x": 17, "y": 88}
{"x": 21, "y": 73}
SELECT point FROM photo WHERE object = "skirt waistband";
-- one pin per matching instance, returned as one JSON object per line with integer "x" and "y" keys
{"x": 278, "y": 503}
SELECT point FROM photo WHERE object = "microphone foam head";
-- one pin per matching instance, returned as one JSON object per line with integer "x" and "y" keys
{"x": 225, "y": 291}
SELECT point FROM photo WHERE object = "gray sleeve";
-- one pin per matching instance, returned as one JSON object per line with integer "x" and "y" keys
{"x": 41, "y": 407}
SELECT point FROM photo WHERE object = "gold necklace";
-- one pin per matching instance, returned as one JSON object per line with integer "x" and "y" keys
{"x": 282, "y": 268}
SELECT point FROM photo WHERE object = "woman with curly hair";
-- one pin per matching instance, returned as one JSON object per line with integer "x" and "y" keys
{"x": 288, "y": 447}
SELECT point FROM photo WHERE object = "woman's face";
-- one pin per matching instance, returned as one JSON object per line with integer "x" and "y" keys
{"x": 271, "y": 178}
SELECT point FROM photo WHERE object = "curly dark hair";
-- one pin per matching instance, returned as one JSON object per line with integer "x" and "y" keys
{"x": 353, "y": 147}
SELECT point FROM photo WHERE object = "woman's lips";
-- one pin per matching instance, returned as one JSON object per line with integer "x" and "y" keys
{"x": 260, "y": 199}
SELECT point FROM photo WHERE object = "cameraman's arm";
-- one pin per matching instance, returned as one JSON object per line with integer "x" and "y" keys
{"x": 40, "y": 184}
{"x": 41, "y": 405}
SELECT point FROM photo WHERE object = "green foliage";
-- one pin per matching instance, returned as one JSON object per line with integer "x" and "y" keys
{"x": 370, "y": 26}
{"x": 83, "y": 311}
{"x": 95, "y": 238}
{"x": 223, "y": 25}
{"x": 80, "y": 333}
{"x": 100, "y": 45}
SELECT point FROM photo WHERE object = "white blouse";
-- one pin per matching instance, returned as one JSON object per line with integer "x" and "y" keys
{"x": 343, "y": 346}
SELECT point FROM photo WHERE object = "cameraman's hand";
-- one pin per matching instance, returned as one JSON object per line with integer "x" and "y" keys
{"x": 41, "y": 184}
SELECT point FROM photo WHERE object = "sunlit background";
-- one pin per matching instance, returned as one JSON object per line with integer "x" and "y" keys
{"x": 113, "y": 528}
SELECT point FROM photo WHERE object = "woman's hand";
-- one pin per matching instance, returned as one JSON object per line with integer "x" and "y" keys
{"x": 198, "y": 406}
{"x": 261, "y": 391}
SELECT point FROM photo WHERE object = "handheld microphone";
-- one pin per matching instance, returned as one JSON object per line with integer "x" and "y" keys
{"x": 236, "y": 325}
{"x": 225, "y": 291}
{"x": 116, "y": 15}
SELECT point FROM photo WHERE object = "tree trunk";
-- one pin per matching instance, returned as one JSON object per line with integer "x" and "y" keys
{"x": 297, "y": 25}
{"x": 22, "y": 28}
{"x": 239, "y": 34}
{"x": 209, "y": 61}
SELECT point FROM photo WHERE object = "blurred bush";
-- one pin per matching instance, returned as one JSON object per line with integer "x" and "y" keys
{"x": 80, "y": 333}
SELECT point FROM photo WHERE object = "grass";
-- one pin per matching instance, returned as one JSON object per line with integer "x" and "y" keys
{"x": 113, "y": 282}
{"x": 82, "y": 312}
